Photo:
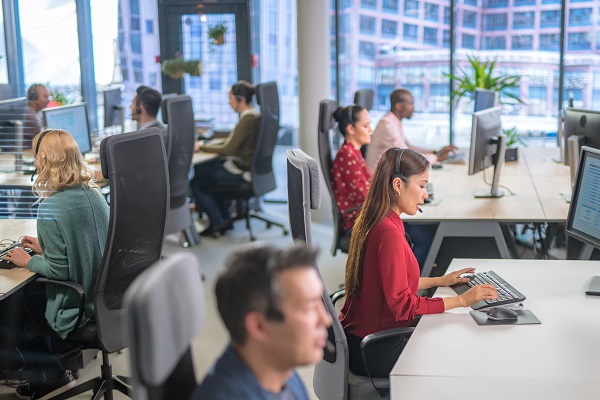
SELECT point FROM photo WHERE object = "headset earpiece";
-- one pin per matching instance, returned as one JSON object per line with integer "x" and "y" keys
{"x": 397, "y": 173}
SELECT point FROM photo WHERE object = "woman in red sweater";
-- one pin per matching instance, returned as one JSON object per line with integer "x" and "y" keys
{"x": 350, "y": 176}
{"x": 382, "y": 275}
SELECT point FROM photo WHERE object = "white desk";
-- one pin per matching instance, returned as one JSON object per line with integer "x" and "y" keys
{"x": 13, "y": 279}
{"x": 559, "y": 359}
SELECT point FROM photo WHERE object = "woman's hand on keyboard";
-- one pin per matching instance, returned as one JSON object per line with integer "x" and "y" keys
{"x": 453, "y": 277}
{"x": 18, "y": 257}
{"x": 31, "y": 243}
{"x": 478, "y": 293}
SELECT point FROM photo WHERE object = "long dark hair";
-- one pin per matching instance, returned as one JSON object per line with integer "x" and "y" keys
{"x": 380, "y": 199}
{"x": 346, "y": 116}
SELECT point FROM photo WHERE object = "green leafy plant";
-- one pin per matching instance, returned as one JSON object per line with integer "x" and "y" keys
{"x": 177, "y": 67}
{"x": 513, "y": 139}
{"x": 485, "y": 76}
{"x": 217, "y": 34}
{"x": 59, "y": 97}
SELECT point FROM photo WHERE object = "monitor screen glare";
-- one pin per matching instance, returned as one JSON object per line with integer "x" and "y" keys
{"x": 72, "y": 119}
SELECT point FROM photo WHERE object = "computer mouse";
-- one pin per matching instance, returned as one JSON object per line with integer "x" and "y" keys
{"x": 502, "y": 314}
{"x": 437, "y": 165}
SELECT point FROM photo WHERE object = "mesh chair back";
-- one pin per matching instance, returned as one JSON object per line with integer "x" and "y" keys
{"x": 160, "y": 332}
{"x": 136, "y": 165}
{"x": 263, "y": 179}
{"x": 17, "y": 201}
{"x": 326, "y": 123}
{"x": 303, "y": 192}
{"x": 182, "y": 131}
{"x": 364, "y": 98}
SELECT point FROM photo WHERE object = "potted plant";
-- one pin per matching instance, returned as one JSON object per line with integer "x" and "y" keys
{"x": 513, "y": 139}
{"x": 217, "y": 34}
{"x": 177, "y": 67}
{"x": 485, "y": 76}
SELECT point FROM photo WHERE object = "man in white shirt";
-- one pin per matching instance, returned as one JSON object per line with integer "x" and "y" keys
{"x": 389, "y": 132}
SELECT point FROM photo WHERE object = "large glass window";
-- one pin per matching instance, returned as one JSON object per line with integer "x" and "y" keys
{"x": 550, "y": 19}
{"x": 430, "y": 35}
{"x": 3, "y": 70}
{"x": 367, "y": 25}
{"x": 580, "y": 17}
{"x": 411, "y": 8}
{"x": 494, "y": 43}
{"x": 389, "y": 28}
{"x": 51, "y": 53}
{"x": 469, "y": 19}
{"x": 410, "y": 32}
{"x": 366, "y": 50}
{"x": 390, "y": 5}
{"x": 431, "y": 12}
{"x": 522, "y": 42}
{"x": 523, "y": 20}
{"x": 468, "y": 41}
{"x": 494, "y": 22}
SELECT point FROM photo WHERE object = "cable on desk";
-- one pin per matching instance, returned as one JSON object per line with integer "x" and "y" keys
{"x": 501, "y": 186}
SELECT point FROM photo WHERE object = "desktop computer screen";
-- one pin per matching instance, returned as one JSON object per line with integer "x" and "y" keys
{"x": 584, "y": 124}
{"x": 485, "y": 99}
{"x": 12, "y": 111}
{"x": 487, "y": 147}
{"x": 72, "y": 119}
{"x": 583, "y": 220}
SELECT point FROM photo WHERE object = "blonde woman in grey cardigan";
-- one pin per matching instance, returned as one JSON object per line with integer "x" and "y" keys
{"x": 72, "y": 226}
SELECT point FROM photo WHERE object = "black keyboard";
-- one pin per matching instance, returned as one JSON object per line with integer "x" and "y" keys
{"x": 5, "y": 264}
{"x": 507, "y": 294}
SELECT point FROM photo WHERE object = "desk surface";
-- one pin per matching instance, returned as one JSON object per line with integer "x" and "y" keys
{"x": 557, "y": 359}
{"x": 13, "y": 279}
{"x": 537, "y": 181}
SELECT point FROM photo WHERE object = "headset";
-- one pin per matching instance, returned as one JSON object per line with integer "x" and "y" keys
{"x": 397, "y": 173}
{"x": 32, "y": 92}
{"x": 138, "y": 109}
{"x": 37, "y": 148}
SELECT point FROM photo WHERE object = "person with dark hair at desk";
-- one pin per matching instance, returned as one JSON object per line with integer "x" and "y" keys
{"x": 270, "y": 301}
{"x": 144, "y": 109}
{"x": 38, "y": 97}
{"x": 72, "y": 227}
{"x": 382, "y": 276}
{"x": 350, "y": 176}
{"x": 234, "y": 164}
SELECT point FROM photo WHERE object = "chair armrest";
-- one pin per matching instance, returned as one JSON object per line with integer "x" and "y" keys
{"x": 71, "y": 285}
{"x": 369, "y": 340}
{"x": 338, "y": 294}
{"x": 352, "y": 209}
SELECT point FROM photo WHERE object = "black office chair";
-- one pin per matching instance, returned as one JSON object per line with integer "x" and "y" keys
{"x": 341, "y": 239}
{"x": 135, "y": 164}
{"x": 180, "y": 150}
{"x": 364, "y": 98}
{"x": 332, "y": 379}
{"x": 160, "y": 335}
{"x": 17, "y": 201}
{"x": 249, "y": 194}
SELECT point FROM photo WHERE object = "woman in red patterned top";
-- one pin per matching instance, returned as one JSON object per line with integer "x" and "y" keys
{"x": 350, "y": 176}
{"x": 382, "y": 275}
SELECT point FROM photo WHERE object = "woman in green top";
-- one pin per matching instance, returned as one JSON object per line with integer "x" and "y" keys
{"x": 233, "y": 166}
{"x": 72, "y": 227}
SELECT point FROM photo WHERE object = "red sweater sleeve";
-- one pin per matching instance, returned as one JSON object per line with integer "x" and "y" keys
{"x": 399, "y": 277}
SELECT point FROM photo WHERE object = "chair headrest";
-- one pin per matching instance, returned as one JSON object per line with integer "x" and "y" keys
{"x": 326, "y": 109}
{"x": 364, "y": 98}
{"x": 309, "y": 166}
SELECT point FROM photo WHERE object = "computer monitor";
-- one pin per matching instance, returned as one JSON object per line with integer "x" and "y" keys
{"x": 488, "y": 147}
{"x": 485, "y": 98}
{"x": 582, "y": 123}
{"x": 72, "y": 119}
{"x": 114, "y": 112}
{"x": 12, "y": 120}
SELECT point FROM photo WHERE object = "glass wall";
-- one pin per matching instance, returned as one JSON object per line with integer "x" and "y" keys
{"x": 3, "y": 70}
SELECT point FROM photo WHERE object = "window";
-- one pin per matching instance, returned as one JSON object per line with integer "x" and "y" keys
{"x": 430, "y": 35}
{"x": 446, "y": 39}
{"x": 551, "y": 2}
{"x": 149, "y": 26}
{"x": 579, "y": 41}
{"x": 439, "y": 89}
{"x": 366, "y": 50}
{"x": 134, "y": 7}
{"x": 580, "y": 17}
{"x": 136, "y": 43}
{"x": 494, "y": 22}
{"x": 469, "y": 19}
{"x": 495, "y": 43}
{"x": 495, "y": 3}
{"x": 365, "y": 75}
{"x": 447, "y": 15}
{"x": 470, "y": 2}
{"x": 549, "y": 42}
{"x": 537, "y": 92}
{"x": 550, "y": 19}
{"x": 431, "y": 12}
{"x": 344, "y": 23}
{"x": 138, "y": 71}
{"x": 522, "y": 42}
{"x": 368, "y": 4}
{"x": 367, "y": 25}
{"x": 410, "y": 32}
{"x": 411, "y": 8}
{"x": 389, "y": 28}
{"x": 468, "y": 41}
{"x": 135, "y": 23}
{"x": 519, "y": 3}
{"x": 390, "y": 5}
{"x": 523, "y": 20}
{"x": 273, "y": 39}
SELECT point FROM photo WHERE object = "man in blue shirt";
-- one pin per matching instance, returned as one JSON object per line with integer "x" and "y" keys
{"x": 270, "y": 302}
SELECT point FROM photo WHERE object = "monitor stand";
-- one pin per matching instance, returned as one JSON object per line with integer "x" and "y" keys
{"x": 500, "y": 141}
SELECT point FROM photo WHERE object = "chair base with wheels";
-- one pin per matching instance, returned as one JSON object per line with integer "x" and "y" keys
{"x": 180, "y": 220}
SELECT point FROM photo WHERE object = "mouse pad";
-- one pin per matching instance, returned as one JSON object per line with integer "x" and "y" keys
{"x": 526, "y": 317}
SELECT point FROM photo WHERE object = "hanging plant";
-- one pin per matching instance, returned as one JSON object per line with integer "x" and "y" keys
{"x": 217, "y": 34}
{"x": 177, "y": 67}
